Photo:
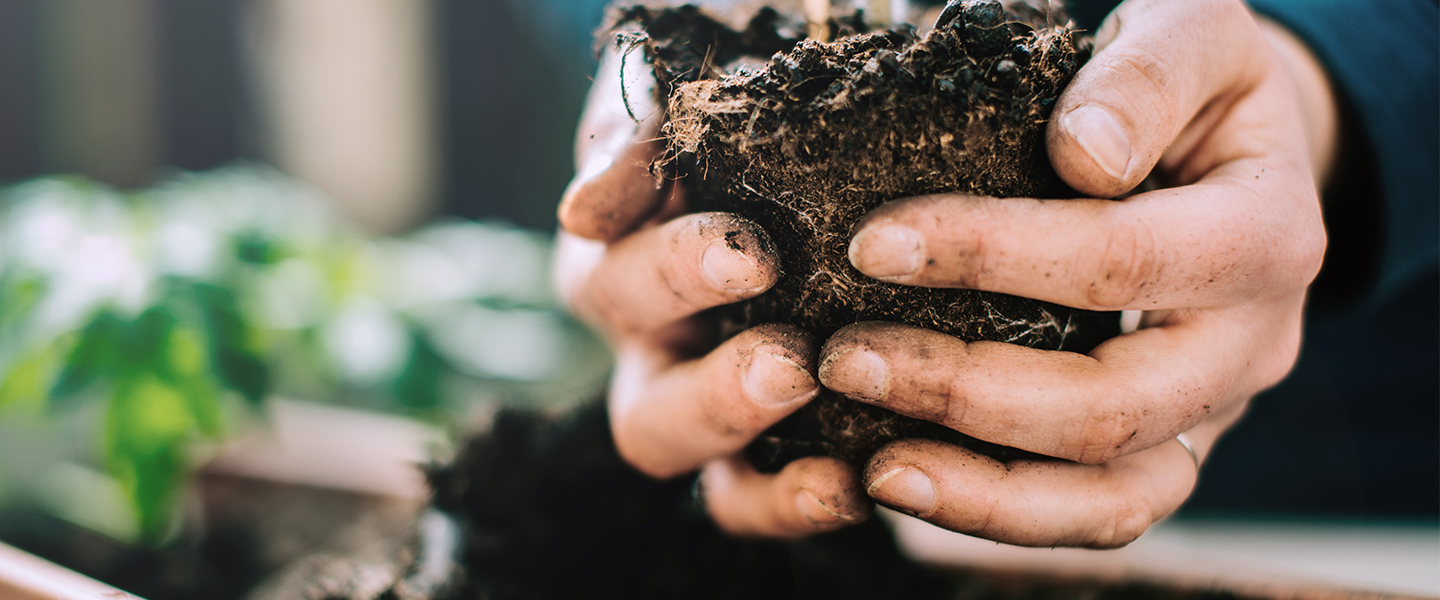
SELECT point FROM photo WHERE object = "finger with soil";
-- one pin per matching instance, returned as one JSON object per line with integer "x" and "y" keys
{"x": 671, "y": 418}
{"x": 809, "y": 496}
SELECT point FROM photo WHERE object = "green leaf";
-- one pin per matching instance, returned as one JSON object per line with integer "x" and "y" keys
{"x": 418, "y": 386}
{"x": 142, "y": 343}
{"x": 234, "y": 363}
{"x": 188, "y": 372}
{"x": 95, "y": 356}
{"x": 17, "y": 299}
{"x": 31, "y": 377}
{"x": 256, "y": 249}
{"x": 146, "y": 432}
{"x": 185, "y": 352}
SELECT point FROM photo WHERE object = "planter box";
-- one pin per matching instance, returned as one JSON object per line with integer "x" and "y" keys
{"x": 25, "y": 577}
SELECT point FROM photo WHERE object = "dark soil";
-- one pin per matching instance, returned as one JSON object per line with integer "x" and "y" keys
{"x": 807, "y": 141}
{"x": 543, "y": 508}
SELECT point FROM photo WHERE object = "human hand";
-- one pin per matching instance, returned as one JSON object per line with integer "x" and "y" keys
{"x": 1237, "y": 121}
{"x": 637, "y": 268}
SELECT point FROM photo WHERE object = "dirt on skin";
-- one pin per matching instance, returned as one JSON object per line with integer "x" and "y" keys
{"x": 805, "y": 137}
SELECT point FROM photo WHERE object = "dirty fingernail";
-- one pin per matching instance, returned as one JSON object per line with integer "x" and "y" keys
{"x": 856, "y": 372}
{"x": 729, "y": 269}
{"x": 907, "y": 489}
{"x": 773, "y": 380}
{"x": 887, "y": 250}
{"x": 1100, "y": 135}
{"x": 817, "y": 512}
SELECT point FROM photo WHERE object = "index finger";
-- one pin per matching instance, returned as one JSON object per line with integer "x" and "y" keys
{"x": 1226, "y": 239}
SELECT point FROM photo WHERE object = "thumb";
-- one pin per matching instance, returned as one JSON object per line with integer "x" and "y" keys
{"x": 1157, "y": 64}
{"x": 613, "y": 190}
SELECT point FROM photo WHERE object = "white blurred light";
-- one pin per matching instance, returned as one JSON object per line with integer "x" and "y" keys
{"x": 493, "y": 261}
{"x": 366, "y": 342}
{"x": 186, "y": 248}
{"x": 42, "y": 232}
{"x": 521, "y": 345}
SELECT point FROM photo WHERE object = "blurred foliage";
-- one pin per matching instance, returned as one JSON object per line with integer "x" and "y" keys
{"x": 178, "y": 307}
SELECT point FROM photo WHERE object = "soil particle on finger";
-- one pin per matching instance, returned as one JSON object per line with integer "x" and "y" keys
{"x": 804, "y": 138}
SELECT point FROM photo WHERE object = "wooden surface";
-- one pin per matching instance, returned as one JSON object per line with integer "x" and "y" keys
{"x": 1255, "y": 558}
{"x": 25, "y": 577}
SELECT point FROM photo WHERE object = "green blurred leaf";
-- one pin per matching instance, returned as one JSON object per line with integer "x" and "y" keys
{"x": 257, "y": 249}
{"x": 188, "y": 372}
{"x": 17, "y": 298}
{"x": 95, "y": 356}
{"x": 185, "y": 352}
{"x": 30, "y": 378}
{"x": 234, "y": 363}
{"x": 146, "y": 432}
{"x": 418, "y": 386}
{"x": 142, "y": 342}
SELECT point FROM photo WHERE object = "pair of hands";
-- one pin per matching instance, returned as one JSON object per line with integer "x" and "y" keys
{"x": 1232, "y": 117}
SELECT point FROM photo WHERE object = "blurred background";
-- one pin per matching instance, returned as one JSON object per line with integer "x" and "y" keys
{"x": 400, "y": 110}
{"x": 285, "y": 245}
{"x": 294, "y": 243}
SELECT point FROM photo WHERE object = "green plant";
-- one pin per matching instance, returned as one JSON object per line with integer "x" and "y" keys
{"x": 179, "y": 307}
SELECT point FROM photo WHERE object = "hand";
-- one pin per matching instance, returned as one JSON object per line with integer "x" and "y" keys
{"x": 1236, "y": 117}
{"x": 638, "y": 269}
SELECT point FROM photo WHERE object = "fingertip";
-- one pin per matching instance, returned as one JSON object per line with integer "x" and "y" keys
{"x": 828, "y": 494}
{"x": 1101, "y": 137}
{"x": 887, "y": 250}
{"x": 612, "y": 194}
{"x": 739, "y": 258}
{"x": 857, "y": 372}
{"x": 855, "y": 360}
{"x": 778, "y": 366}
{"x": 773, "y": 380}
{"x": 730, "y": 269}
{"x": 809, "y": 496}
{"x": 1091, "y": 150}
{"x": 906, "y": 488}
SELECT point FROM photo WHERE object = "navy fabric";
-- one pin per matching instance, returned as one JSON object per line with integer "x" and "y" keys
{"x": 1384, "y": 57}
{"x": 1356, "y": 428}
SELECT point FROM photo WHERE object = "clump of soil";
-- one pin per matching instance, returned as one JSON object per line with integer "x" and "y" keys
{"x": 806, "y": 141}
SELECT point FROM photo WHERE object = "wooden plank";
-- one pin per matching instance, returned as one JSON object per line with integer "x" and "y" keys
{"x": 27, "y": 577}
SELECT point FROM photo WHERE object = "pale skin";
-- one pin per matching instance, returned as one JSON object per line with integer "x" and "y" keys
{"x": 1234, "y": 120}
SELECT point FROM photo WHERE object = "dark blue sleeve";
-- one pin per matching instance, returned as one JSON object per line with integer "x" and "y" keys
{"x": 1384, "y": 59}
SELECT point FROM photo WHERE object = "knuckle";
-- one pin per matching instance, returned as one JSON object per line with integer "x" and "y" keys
{"x": 953, "y": 404}
{"x": 1105, "y": 435}
{"x": 1144, "y": 80}
{"x": 1124, "y": 269}
{"x": 1277, "y": 365}
{"x": 1307, "y": 253}
{"x": 972, "y": 268}
{"x": 1127, "y": 520}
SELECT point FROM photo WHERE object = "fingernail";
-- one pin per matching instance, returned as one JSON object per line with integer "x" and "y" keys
{"x": 729, "y": 269}
{"x": 593, "y": 168}
{"x": 1100, "y": 135}
{"x": 906, "y": 489}
{"x": 856, "y": 372}
{"x": 773, "y": 380}
{"x": 816, "y": 512}
{"x": 887, "y": 250}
